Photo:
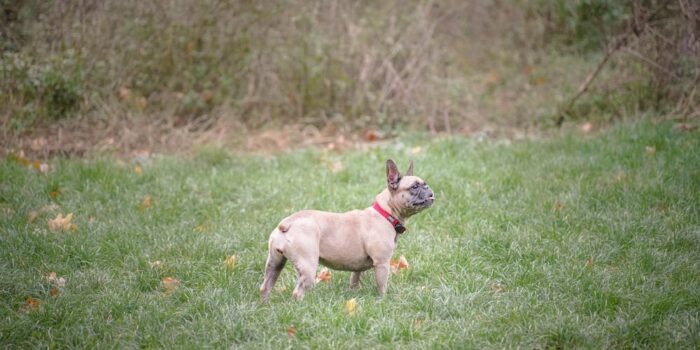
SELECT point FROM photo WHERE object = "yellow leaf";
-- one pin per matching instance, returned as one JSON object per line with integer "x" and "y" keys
{"x": 230, "y": 262}
{"x": 498, "y": 288}
{"x": 61, "y": 223}
{"x": 650, "y": 150}
{"x": 324, "y": 275}
{"x": 138, "y": 170}
{"x": 416, "y": 150}
{"x": 147, "y": 202}
{"x": 351, "y": 306}
{"x": 205, "y": 227}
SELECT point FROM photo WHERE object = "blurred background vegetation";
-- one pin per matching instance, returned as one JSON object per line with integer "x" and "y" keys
{"x": 125, "y": 66}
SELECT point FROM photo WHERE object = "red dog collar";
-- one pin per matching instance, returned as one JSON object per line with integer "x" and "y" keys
{"x": 394, "y": 222}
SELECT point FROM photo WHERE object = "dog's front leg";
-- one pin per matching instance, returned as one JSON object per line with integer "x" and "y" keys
{"x": 355, "y": 279}
{"x": 381, "y": 274}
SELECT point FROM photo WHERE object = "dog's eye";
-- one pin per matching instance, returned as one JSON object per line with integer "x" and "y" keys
{"x": 415, "y": 185}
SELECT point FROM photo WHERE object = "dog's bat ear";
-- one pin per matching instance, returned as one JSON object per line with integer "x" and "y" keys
{"x": 409, "y": 172}
{"x": 392, "y": 175}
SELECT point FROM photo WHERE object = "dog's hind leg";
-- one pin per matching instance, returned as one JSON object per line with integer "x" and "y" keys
{"x": 355, "y": 279}
{"x": 306, "y": 271}
{"x": 273, "y": 267}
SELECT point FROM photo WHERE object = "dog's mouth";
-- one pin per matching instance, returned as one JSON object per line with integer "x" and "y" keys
{"x": 425, "y": 203}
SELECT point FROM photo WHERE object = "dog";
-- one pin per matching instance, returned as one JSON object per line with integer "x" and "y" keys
{"x": 352, "y": 241}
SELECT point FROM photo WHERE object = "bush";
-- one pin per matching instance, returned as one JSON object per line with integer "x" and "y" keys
{"x": 49, "y": 90}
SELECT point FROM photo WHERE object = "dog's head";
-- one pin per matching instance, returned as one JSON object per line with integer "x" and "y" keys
{"x": 411, "y": 193}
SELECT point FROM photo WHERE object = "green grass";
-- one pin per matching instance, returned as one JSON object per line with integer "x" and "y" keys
{"x": 500, "y": 261}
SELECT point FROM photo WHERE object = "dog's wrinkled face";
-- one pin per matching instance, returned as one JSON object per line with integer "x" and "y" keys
{"x": 411, "y": 193}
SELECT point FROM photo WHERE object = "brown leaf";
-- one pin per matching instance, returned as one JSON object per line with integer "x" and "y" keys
{"x": 684, "y": 127}
{"x": 400, "y": 264}
{"x": 53, "y": 279}
{"x": 61, "y": 223}
{"x": 291, "y": 331}
{"x": 589, "y": 261}
{"x": 558, "y": 206}
{"x": 31, "y": 304}
{"x": 170, "y": 284}
{"x": 372, "y": 135}
{"x": 324, "y": 275}
{"x": 54, "y": 291}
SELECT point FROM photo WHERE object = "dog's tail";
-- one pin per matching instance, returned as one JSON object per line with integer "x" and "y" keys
{"x": 284, "y": 225}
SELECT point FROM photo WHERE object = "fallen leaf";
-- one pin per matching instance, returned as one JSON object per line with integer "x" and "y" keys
{"x": 170, "y": 284}
{"x": 291, "y": 331}
{"x": 54, "y": 194}
{"x": 492, "y": 77}
{"x": 650, "y": 150}
{"x": 138, "y": 170}
{"x": 32, "y": 216}
{"x": 230, "y": 262}
{"x": 54, "y": 291}
{"x": 40, "y": 167}
{"x": 416, "y": 150}
{"x": 324, "y": 275}
{"x": 684, "y": 127}
{"x": 337, "y": 167}
{"x": 147, "y": 202}
{"x": 31, "y": 304}
{"x": 400, "y": 264}
{"x": 619, "y": 176}
{"x": 52, "y": 278}
{"x": 204, "y": 227}
{"x": 498, "y": 288}
{"x": 124, "y": 93}
{"x": 61, "y": 223}
{"x": 586, "y": 127}
{"x": 351, "y": 306}
{"x": 558, "y": 206}
{"x": 372, "y": 135}
{"x": 538, "y": 80}
{"x": 156, "y": 264}
{"x": 589, "y": 261}
{"x": 38, "y": 144}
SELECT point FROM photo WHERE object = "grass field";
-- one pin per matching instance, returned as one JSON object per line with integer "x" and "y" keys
{"x": 574, "y": 242}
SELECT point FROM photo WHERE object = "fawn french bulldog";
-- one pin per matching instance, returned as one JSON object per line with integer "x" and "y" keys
{"x": 352, "y": 241}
